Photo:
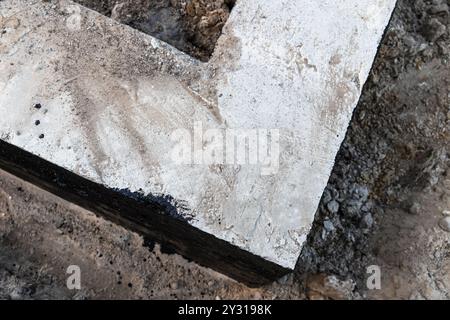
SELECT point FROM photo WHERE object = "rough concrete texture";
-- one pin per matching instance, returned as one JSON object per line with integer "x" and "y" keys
{"x": 109, "y": 98}
{"x": 388, "y": 192}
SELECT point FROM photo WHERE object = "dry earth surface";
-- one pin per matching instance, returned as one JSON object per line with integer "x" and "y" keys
{"x": 387, "y": 202}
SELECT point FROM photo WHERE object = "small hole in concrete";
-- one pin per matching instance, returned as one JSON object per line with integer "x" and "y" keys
{"x": 192, "y": 26}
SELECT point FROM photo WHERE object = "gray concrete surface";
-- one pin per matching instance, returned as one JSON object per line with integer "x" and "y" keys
{"x": 111, "y": 99}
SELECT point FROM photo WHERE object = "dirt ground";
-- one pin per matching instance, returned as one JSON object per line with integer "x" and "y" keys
{"x": 387, "y": 203}
{"x": 192, "y": 26}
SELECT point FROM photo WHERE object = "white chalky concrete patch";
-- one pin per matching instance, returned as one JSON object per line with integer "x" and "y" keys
{"x": 296, "y": 66}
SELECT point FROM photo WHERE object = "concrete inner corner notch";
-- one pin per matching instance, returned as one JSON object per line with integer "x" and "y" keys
{"x": 101, "y": 114}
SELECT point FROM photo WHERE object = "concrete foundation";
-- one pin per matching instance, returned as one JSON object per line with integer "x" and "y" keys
{"x": 224, "y": 162}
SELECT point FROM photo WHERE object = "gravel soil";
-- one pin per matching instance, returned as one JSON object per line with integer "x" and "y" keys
{"x": 387, "y": 202}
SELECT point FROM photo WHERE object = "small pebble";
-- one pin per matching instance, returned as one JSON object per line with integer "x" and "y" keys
{"x": 367, "y": 220}
{"x": 415, "y": 208}
{"x": 333, "y": 206}
{"x": 37, "y": 122}
{"x": 41, "y": 136}
{"x": 38, "y": 106}
{"x": 445, "y": 224}
{"x": 434, "y": 29}
{"x": 328, "y": 225}
{"x": 12, "y": 23}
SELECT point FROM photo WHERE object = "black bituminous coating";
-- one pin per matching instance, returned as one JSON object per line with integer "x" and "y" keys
{"x": 171, "y": 206}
